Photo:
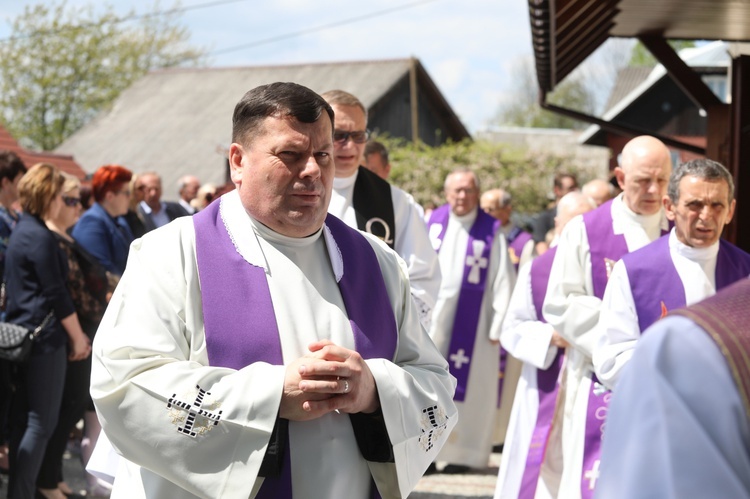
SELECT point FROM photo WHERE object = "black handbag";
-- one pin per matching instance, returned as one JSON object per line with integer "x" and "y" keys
{"x": 16, "y": 341}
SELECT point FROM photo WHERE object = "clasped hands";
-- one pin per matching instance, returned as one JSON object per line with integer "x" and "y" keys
{"x": 328, "y": 378}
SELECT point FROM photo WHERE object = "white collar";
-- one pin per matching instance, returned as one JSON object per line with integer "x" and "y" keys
{"x": 622, "y": 216}
{"x": 691, "y": 253}
{"x": 245, "y": 231}
{"x": 345, "y": 182}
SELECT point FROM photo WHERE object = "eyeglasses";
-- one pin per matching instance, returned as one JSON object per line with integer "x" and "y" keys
{"x": 72, "y": 202}
{"x": 124, "y": 191}
{"x": 357, "y": 137}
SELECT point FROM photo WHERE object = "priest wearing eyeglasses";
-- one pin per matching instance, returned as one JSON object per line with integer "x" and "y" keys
{"x": 367, "y": 202}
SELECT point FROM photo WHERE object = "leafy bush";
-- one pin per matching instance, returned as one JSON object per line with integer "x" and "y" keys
{"x": 421, "y": 170}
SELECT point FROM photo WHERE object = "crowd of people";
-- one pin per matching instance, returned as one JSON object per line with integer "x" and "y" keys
{"x": 313, "y": 333}
{"x": 61, "y": 263}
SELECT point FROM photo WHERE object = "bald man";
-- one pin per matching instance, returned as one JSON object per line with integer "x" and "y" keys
{"x": 599, "y": 190}
{"x": 589, "y": 246}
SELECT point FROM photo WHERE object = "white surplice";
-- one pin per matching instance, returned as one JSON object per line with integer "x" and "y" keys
{"x": 151, "y": 346}
{"x": 529, "y": 340}
{"x": 411, "y": 240}
{"x": 470, "y": 442}
{"x": 571, "y": 308}
{"x": 677, "y": 427}
{"x": 618, "y": 327}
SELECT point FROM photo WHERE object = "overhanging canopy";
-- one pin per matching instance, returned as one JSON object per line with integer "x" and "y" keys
{"x": 566, "y": 32}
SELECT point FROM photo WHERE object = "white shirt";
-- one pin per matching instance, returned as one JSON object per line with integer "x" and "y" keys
{"x": 411, "y": 240}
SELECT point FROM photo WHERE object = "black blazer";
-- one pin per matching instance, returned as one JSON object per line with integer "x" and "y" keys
{"x": 36, "y": 271}
{"x": 174, "y": 210}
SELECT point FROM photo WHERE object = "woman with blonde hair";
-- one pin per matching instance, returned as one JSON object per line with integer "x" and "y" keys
{"x": 89, "y": 284}
{"x": 35, "y": 277}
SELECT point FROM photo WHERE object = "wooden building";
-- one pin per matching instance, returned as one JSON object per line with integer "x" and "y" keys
{"x": 179, "y": 121}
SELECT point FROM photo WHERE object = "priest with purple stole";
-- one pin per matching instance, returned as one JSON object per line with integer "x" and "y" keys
{"x": 529, "y": 467}
{"x": 589, "y": 246}
{"x": 679, "y": 423}
{"x": 477, "y": 283}
{"x": 498, "y": 203}
{"x": 682, "y": 268}
{"x": 262, "y": 348}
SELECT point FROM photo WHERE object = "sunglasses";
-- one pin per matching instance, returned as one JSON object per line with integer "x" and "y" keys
{"x": 357, "y": 137}
{"x": 72, "y": 202}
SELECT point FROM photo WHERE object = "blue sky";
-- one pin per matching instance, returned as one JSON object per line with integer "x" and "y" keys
{"x": 467, "y": 46}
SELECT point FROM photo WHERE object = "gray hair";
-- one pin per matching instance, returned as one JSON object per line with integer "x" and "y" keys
{"x": 702, "y": 168}
{"x": 462, "y": 169}
{"x": 505, "y": 198}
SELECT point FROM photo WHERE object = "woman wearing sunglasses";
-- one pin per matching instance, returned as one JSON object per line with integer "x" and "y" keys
{"x": 88, "y": 283}
{"x": 35, "y": 277}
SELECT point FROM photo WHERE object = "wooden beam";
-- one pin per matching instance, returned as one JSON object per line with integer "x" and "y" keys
{"x": 413, "y": 100}
{"x": 626, "y": 130}
{"x": 739, "y": 230}
{"x": 682, "y": 74}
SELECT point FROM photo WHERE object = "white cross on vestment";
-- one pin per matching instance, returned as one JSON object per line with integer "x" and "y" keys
{"x": 592, "y": 475}
{"x": 459, "y": 358}
{"x": 476, "y": 261}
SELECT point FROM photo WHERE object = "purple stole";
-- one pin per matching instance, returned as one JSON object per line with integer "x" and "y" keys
{"x": 250, "y": 334}
{"x": 473, "y": 283}
{"x": 546, "y": 382}
{"x": 606, "y": 248}
{"x": 657, "y": 287}
{"x": 725, "y": 318}
{"x": 605, "y": 245}
{"x": 517, "y": 239}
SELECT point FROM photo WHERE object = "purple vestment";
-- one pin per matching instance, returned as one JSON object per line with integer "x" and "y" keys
{"x": 658, "y": 289}
{"x": 606, "y": 248}
{"x": 240, "y": 321}
{"x": 546, "y": 382}
{"x": 473, "y": 283}
{"x": 517, "y": 239}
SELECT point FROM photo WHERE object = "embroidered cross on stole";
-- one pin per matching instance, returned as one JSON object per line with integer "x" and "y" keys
{"x": 239, "y": 317}
{"x": 474, "y": 280}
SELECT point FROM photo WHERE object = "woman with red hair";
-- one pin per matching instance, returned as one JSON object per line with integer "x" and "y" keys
{"x": 102, "y": 230}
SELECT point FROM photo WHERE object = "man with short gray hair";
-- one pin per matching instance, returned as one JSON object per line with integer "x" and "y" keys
{"x": 478, "y": 280}
{"x": 679, "y": 269}
{"x": 187, "y": 188}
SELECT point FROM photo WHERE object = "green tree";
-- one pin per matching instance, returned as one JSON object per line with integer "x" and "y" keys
{"x": 61, "y": 66}
{"x": 521, "y": 107}
{"x": 640, "y": 56}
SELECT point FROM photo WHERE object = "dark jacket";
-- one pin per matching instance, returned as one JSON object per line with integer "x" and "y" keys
{"x": 36, "y": 271}
{"x": 107, "y": 239}
{"x": 173, "y": 210}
